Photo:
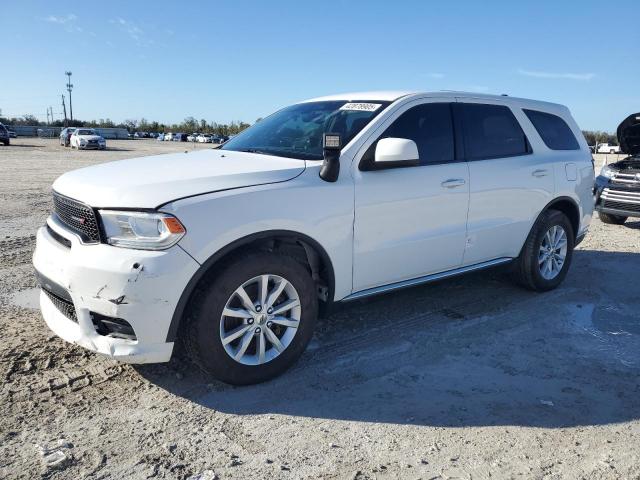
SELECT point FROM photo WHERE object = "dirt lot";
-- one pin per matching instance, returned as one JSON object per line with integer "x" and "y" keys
{"x": 467, "y": 378}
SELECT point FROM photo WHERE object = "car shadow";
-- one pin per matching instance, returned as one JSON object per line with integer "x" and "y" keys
{"x": 635, "y": 225}
{"x": 468, "y": 351}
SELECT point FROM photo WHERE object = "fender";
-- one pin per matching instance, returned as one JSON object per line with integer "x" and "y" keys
{"x": 223, "y": 252}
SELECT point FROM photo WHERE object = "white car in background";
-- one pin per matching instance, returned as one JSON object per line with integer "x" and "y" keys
{"x": 193, "y": 137}
{"x": 606, "y": 148}
{"x": 203, "y": 138}
{"x": 87, "y": 138}
{"x": 233, "y": 250}
{"x": 168, "y": 137}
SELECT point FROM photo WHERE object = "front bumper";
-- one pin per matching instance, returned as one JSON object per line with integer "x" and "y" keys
{"x": 141, "y": 287}
{"x": 617, "y": 199}
{"x": 93, "y": 146}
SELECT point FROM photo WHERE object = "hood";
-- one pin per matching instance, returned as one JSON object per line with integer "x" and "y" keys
{"x": 149, "y": 182}
{"x": 629, "y": 134}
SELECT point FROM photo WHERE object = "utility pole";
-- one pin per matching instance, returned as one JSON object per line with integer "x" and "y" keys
{"x": 69, "y": 88}
{"x": 64, "y": 109}
{"x": 48, "y": 123}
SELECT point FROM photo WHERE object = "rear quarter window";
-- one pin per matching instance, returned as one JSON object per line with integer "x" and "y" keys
{"x": 553, "y": 130}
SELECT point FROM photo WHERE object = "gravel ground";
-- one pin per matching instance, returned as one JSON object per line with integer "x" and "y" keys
{"x": 467, "y": 378}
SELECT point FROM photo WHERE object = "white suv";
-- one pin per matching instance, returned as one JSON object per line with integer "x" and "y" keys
{"x": 232, "y": 250}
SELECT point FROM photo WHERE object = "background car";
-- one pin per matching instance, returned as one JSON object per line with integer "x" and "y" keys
{"x": 193, "y": 137}
{"x": 204, "y": 138}
{"x": 85, "y": 138}
{"x": 65, "y": 136}
{"x": 606, "y": 148}
{"x": 168, "y": 137}
{"x": 160, "y": 137}
{"x": 179, "y": 137}
{"x": 4, "y": 135}
{"x": 12, "y": 134}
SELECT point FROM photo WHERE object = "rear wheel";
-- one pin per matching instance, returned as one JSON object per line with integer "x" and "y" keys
{"x": 547, "y": 253}
{"x": 612, "y": 219}
{"x": 253, "y": 320}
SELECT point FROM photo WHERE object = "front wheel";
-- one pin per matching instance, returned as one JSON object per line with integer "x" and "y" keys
{"x": 252, "y": 320}
{"x": 612, "y": 219}
{"x": 545, "y": 258}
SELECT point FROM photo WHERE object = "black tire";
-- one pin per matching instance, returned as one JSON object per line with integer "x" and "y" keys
{"x": 526, "y": 268}
{"x": 201, "y": 336}
{"x": 6, "y": 143}
{"x": 612, "y": 219}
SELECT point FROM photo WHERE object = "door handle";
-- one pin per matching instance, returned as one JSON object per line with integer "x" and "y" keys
{"x": 453, "y": 183}
{"x": 540, "y": 173}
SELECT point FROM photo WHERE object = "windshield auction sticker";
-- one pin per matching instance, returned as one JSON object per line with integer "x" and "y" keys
{"x": 361, "y": 107}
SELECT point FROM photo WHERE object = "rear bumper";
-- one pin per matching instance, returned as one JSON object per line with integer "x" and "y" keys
{"x": 141, "y": 287}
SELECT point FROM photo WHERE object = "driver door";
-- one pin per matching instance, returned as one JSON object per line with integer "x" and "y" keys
{"x": 410, "y": 221}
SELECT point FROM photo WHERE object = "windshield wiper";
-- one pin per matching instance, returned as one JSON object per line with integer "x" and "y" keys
{"x": 253, "y": 150}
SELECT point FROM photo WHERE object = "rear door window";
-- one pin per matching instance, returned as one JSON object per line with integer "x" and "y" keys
{"x": 491, "y": 131}
{"x": 553, "y": 130}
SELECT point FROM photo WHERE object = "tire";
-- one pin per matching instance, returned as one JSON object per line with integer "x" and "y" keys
{"x": 203, "y": 332}
{"x": 612, "y": 219}
{"x": 6, "y": 143}
{"x": 612, "y": 152}
{"x": 528, "y": 267}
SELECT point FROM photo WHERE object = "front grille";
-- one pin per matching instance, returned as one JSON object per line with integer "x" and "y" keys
{"x": 79, "y": 217}
{"x": 627, "y": 179}
{"x": 64, "y": 306}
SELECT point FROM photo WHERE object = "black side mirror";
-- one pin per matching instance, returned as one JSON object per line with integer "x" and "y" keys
{"x": 331, "y": 146}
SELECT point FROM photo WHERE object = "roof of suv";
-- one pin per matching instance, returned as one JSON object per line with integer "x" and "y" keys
{"x": 393, "y": 95}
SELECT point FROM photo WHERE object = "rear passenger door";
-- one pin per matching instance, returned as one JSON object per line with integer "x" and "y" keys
{"x": 509, "y": 183}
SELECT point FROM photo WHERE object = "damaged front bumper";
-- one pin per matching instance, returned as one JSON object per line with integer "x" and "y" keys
{"x": 88, "y": 288}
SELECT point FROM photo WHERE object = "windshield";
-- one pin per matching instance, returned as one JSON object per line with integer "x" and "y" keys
{"x": 296, "y": 131}
{"x": 86, "y": 132}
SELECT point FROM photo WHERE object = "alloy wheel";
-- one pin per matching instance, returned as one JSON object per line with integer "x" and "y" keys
{"x": 553, "y": 252}
{"x": 260, "y": 319}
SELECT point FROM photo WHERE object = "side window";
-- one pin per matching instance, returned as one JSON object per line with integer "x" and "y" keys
{"x": 553, "y": 130}
{"x": 429, "y": 125}
{"x": 492, "y": 131}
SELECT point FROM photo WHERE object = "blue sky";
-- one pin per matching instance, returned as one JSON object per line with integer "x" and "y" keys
{"x": 240, "y": 60}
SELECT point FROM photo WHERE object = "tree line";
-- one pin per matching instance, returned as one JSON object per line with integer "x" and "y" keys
{"x": 597, "y": 137}
{"x": 189, "y": 125}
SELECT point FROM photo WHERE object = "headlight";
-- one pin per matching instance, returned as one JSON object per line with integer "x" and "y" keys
{"x": 142, "y": 230}
{"x": 607, "y": 172}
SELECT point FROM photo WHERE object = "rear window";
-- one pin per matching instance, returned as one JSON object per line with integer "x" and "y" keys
{"x": 553, "y": 130}
{"x": 492, "y": 131}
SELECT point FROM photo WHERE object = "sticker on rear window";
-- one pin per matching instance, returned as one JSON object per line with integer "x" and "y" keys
{"x": 361, "y": 107}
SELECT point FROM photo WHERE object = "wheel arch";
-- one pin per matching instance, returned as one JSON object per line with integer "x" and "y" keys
{"x": 566, "y": 205}
{"x": 298, "y": 245}
{"x": 570, "y": 208}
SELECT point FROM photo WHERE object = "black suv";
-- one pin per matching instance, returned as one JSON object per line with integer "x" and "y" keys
{"x": 4, "y": 135}
{"x": 618, "y": 185}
